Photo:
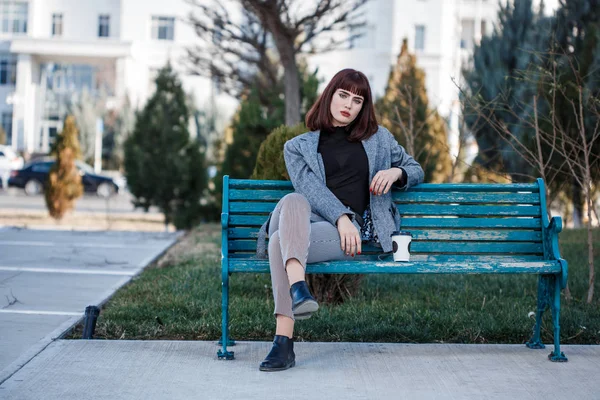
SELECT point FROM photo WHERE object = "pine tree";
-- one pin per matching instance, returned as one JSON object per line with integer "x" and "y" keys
{"x": 404, "y": 110}
{"x": 502, "y": 82}
{"x": 259, "y": 114}
{"x": 163, "y": 166}
{"x": 64, "y": 181}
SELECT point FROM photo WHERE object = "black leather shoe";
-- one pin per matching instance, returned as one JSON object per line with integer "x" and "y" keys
{"x": 281, "y": 356}
{"x": 303, "y": 304}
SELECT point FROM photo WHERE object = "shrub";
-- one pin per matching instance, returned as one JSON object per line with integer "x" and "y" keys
{"x": 64, "y": 182}
{"x": 269, "y": 162}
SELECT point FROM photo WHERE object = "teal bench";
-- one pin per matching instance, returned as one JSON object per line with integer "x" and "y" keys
{"x": 456, "y": 229}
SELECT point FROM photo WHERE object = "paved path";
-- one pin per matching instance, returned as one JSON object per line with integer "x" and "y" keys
{"x": 100, "y": 369}
{"x": 47, "y": 278}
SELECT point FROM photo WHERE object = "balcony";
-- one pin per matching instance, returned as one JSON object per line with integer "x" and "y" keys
{"x": 71, "y": 49}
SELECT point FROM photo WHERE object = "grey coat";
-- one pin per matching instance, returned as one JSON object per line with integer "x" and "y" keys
{"x": 307, "y": 173}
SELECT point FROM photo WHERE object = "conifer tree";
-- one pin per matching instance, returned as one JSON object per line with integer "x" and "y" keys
{"x": 404, "y": 110}
{"x": 259, "y": 113}
{"x": 500, "y": 85}
{"x": 254, "y": 121}
{"x": 163, "y": 166}
{"x": 64, "y": 181}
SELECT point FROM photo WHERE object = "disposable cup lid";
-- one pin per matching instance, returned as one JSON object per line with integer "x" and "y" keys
{"x": 401, "y": 233}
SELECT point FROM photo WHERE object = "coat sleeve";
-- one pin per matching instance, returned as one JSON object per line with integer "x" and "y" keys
{"x": 306, "y": 182}
{"x": 401, "y": 159}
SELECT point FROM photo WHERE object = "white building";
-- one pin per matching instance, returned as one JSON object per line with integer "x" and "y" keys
{"x": 51, "y": 50}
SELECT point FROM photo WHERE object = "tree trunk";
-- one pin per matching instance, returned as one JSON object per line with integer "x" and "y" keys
{"x": 292, "y": 93}
{"x": 333, "y": 288}
{"x": 284, "y": 41}
{"x": 577, "y": 206}
{"x": 590, "y": 242}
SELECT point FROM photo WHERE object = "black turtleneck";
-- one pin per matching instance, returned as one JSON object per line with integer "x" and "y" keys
{"x": 346, "y": 168}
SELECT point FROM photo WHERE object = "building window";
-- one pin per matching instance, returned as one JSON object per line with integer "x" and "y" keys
{"x": 7, "y": 126}
{"x": 8, "y": 69}
{"x": 104, "y": 26}
{"x": 467, "y": 33}
{"x": 13, "y": 15}
{"x": 163, "y": 28}
{"x": 57, "y": 24}
{"x": 420, "y": 37}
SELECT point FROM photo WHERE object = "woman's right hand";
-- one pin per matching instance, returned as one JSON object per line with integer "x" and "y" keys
{"x": 349, "y": 236}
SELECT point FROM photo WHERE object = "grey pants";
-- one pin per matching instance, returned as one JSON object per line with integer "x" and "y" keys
{"x": 293, "y": 235}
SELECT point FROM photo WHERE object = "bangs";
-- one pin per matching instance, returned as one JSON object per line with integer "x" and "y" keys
{"x": 356, "y": 85}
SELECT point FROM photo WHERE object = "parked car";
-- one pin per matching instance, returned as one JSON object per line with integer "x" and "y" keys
{"x": 34, "y": 177}
{"x": 9, "y": 160}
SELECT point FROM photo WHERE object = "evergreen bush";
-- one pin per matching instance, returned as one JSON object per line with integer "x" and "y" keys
{"x": 164, "y": 167}
{"x": 269, "y": 162}
{"x": 404, "y": 110}
{"x": 64, "y": 181}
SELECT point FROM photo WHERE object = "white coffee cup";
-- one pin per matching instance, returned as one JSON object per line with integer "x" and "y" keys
{"x": 401, "y": 245}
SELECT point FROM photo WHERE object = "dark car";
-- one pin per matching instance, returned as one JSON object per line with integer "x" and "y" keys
{"x": 34, "y": 176}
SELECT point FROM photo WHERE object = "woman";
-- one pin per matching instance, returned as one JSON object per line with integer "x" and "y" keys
{"x": 342, "y": 172}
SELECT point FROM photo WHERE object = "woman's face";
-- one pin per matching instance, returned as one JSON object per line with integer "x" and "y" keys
{"x": 345, "y": 106}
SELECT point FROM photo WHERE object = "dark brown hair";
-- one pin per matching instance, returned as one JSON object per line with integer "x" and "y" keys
{"x": 365, "y": 124}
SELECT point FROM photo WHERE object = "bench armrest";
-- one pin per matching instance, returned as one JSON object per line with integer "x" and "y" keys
{"x": 225, "y": 220}
{"x": 552, "y": 230}
{"x": 555, "y": 225}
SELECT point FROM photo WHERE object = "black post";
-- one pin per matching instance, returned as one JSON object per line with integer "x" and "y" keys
{"x": 91, "y": 315}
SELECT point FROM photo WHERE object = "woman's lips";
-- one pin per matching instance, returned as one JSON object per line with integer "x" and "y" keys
{"x": 345, "y": 113}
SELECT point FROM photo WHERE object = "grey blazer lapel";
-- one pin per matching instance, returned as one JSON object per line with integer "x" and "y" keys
{"x": 370, "y": 146}
{"x": 309, "y": 147}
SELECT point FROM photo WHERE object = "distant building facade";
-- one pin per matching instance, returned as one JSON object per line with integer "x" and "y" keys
{"x": 53, "y": 50}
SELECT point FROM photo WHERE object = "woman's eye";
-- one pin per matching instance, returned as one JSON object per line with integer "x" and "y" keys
{"x": 357, "y": 101}
{"x": 343, "y": 95}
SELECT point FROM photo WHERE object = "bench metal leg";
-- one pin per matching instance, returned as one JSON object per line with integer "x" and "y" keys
{"x": 223, "y": 354}
{"x": 543, "y": 301}
{"x": 556, "y": 355}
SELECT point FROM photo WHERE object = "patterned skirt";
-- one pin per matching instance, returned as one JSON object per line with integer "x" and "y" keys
{"x": 367, "y": 231}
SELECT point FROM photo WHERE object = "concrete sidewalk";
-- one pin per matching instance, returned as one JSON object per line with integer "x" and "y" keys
{"x": 98, "y": 369}
{"x": 48, "y": 277}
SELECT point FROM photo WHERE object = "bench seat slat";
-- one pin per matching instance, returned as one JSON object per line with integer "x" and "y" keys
{"x": 466, "y": 198}
{"x": 412, "y": 209}
{"x": 337, "y": 267}
{"x": 435, "y": 247}
{"x": 433, "y": 234}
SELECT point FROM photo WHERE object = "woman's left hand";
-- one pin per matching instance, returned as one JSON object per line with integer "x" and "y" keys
{"x": 383, "y": 180}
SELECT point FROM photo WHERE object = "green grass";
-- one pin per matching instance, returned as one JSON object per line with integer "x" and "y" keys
{"x": 183, "y": 301}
